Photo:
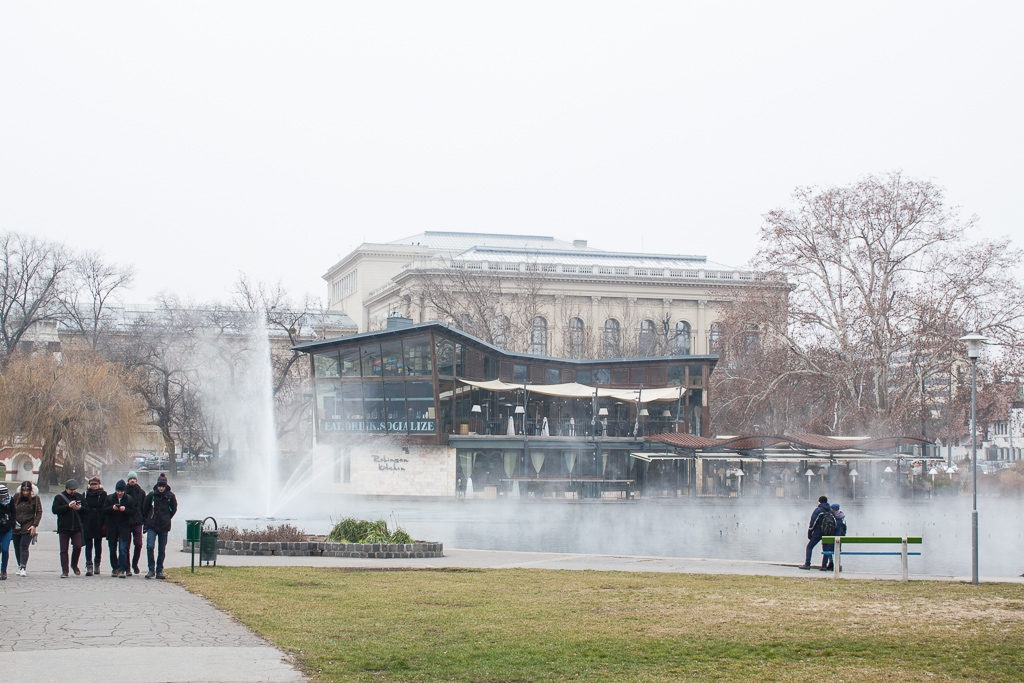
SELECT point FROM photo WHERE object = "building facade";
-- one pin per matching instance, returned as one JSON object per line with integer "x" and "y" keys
{"x": 428, "y": 410}
{"x": 539, "y": 294}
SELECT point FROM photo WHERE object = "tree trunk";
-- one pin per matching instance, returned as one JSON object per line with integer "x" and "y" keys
{"x": 48, "y": 464}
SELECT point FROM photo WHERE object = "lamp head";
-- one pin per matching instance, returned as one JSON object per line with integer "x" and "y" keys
{"x": 475, "y": 408}
{"x": 603, "y": 412}
{"x": 643, "y": 411}
{"x": 974, "y": 342}
{"x": 520, "y": 410}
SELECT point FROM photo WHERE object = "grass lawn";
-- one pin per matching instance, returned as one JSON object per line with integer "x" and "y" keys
{"x": 520, "y": 624}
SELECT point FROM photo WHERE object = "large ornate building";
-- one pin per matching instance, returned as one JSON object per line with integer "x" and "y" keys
{"x": 539, "y": 294}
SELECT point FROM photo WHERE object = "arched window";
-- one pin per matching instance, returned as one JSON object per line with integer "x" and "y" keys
{"x": 499, "y": 331}
{"x": 645, "y": 343}
{"x": 539, "y": 337}
{"x": 715, "y": 338}
{"x": 751, "y": 338}
{"x": 575, "y": 342}
{"x": 612, "y": 341}
{"x": 681, "y": 343}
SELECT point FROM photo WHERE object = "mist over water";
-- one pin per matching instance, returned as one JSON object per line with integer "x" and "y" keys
{"x": 767, "y": 530}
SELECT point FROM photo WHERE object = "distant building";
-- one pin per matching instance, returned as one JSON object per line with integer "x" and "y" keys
{"x": 586, "y": 301}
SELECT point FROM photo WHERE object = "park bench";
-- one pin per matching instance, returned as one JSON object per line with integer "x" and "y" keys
{"x": 841, "y": 541}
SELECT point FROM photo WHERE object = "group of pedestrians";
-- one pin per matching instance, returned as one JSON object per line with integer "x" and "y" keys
{"x": 827, "y": 519}
{"x": 87, "y": 520}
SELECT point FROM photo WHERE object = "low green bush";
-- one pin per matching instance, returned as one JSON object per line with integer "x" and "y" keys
{"x": 352, "y": 530}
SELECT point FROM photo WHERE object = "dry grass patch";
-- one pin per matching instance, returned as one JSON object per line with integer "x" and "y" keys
{"x": 532, "y": 624}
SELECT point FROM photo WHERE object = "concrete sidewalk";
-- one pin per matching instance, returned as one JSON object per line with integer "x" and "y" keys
{"x": 100, "y": 628}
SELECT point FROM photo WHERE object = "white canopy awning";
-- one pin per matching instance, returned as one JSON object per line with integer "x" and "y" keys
{"x": 575, "y": 390}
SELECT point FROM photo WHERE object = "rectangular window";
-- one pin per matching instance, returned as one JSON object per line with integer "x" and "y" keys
{"x": 620, "y": 376}
{"x": 519, "y": 375}
{"x": 419, "y": 401}
{"x": 371, "y": 360}
{"x": 676, "y": 374}
{"x": 553, "y": 376}
{"x": 373, "y": 403}
{"x": 392, "y": 354}
{"x": 696, "y": 375}
{"x": 417, "y": 356}
{"x": 638, "y": 375}
{"x": 326, "y": 364}
{"x": 490, "y": 367}
{"x": 445, "y": 351}
{"x": 460, "y": 361}
{"x": 350, "y": 362}
{"x": 394, "y": 397}
{"x": 584, "y": 377}
{"x": 602, "y": 376}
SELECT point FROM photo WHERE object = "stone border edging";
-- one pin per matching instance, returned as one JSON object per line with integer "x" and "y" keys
{"x": 326, "y": 549}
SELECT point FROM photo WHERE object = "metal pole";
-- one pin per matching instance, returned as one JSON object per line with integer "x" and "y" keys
{"x": 974, "y": 470}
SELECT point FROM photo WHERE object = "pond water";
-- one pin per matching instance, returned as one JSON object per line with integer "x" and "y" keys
{"x": 767, "y": 530}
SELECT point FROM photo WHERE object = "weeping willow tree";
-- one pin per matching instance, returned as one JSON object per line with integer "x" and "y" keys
{"x": 77, "y": 403}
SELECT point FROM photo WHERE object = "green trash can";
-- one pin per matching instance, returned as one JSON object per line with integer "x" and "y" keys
{"x": 208, "y": 543}
{"x": 193, "y": 530}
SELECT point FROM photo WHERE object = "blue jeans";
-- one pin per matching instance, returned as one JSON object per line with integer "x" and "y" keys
{"x": 122, "y": 554}
{"x": 815, "y": 539}
{"x": 5, "y": 547}
{"x": 152, "y": 538}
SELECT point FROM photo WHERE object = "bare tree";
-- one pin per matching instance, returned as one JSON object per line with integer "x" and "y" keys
{"x": 79, "y": 402}
{"x": 31, "y": 271}
{"x": 884, "y": 283}
{"x": 87, "y": 291}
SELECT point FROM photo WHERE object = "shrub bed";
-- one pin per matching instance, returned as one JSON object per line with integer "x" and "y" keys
{"x": 327, "y": 549}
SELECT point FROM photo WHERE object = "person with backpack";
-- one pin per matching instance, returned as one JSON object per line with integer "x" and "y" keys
{"x": 823, "y": 523}
{"x": 67, "y": 505}
{"x": 157, "y": 510}
{"x": 7, "y": 517}
{"x": 828, "y": 561}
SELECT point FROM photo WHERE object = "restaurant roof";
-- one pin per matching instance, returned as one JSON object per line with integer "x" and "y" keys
{"x": 310, "y": 347}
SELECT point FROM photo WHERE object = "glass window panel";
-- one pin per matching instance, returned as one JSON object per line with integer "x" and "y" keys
{"x": 394, "y": 398}
{"x": 446, "y": 400}
{"x": 584, "y": 376}
{"x": 490, "y": 367}
{"x": 553, "y": 376}
{"x": 392, "y": 354}
{"x": 695, "y": 375}
{"x": 326, "y": 364}
{"x": 676, "y": 374}
{"x": 350, "y": 362}
{"x": 371, "y": 360}
{"x": 420, "y": 404}
{"x": 519, "y": 375}
{"x": 445, "y": 357}
{"x": 602, "y": 376}
{"x": 460, "y": 368}
{"x": 373, "y": 401}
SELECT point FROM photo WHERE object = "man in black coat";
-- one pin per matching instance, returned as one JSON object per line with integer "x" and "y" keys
{"x": 157, "y": 511}
{"x": 137, "y": 495}
{"x": 119, "y": 529}
{"x": 814, "y": 530}
{"x": 93, "y": 514}
{"x": 67, "y": 505}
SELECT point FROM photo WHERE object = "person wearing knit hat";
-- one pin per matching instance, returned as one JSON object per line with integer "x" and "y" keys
{"x": 28, "y": 512}
{"x": 138, "y": 494}
{"x": 93, "y": 512}
{"x": 7, "y": 518}
{"x": 157, "y": 510}
{"x": 118, "y": 508}
{"x": 67, "y": 505}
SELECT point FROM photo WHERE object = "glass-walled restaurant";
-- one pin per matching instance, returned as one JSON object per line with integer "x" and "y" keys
{"x": 519, "y": 423}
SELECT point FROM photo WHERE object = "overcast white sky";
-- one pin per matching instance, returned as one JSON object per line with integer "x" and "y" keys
{"x": 197, "y": 140}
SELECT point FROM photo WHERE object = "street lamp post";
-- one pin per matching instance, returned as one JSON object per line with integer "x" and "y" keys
{"x": 809, "y": 473}
{"x": 853, "y": 475}
{"x": 974, "y": 342}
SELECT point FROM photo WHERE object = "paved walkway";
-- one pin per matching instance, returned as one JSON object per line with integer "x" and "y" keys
{"x": 104, "y": 629}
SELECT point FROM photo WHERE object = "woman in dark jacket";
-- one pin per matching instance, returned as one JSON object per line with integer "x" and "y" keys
{"x": 28, "y": 512}
{"x": 119, "y": 528}
{"x": 93, "y": 512}
{"x": 7, "y": 516}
